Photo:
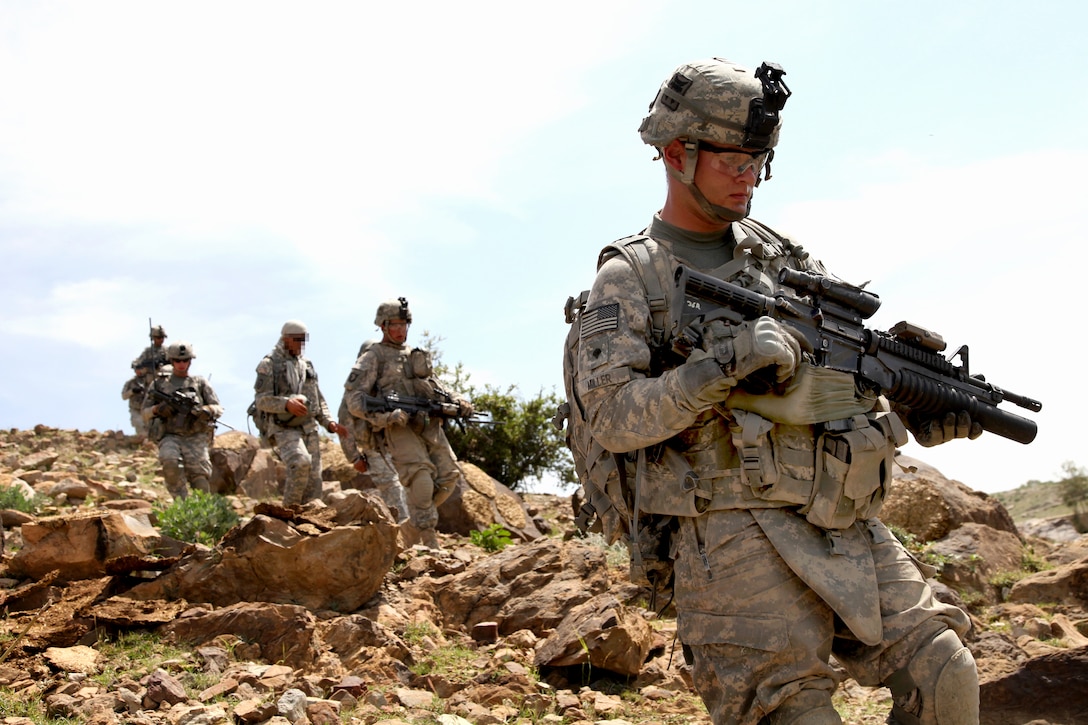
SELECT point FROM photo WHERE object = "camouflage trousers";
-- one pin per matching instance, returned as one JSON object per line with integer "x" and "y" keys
{"x": 761, "y": 638}
{"x": 427, "y": 468}
{"x": 185, "y": 463}
{"x": 136, "y": 417}
{"x": 386, "y": 480}
{"x": 300, "y": 451}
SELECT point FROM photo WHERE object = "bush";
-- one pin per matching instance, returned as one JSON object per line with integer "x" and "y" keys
{"x": 200, "y": 518}
{"x": 493, "y": 538}
{"x": 12, "y": 497}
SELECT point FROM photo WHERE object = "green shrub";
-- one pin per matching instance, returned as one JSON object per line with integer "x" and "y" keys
{"x": 12, "y": 497}
{"x": 493, "y": 538}
{"x": 200, "y": 518}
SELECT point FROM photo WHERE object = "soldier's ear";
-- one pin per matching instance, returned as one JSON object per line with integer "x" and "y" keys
{"x": 674, "y": 154}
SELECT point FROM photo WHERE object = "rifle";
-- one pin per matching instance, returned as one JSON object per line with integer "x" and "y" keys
{"x": 440, "y": 409}
{"x": 175, "y": 401}
{"x": 904, "y": 364}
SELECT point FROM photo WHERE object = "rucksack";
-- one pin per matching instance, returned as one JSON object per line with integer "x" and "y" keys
{"x": 609, "y": 505}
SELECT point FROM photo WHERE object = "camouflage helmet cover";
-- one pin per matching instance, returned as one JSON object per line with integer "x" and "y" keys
{"x": 393, "y": 310}
{"x": 293, "y": 327}
{"x": 179, "y": 351}
{"x": 718, "y": 101}
{"x": 157, "y": 331}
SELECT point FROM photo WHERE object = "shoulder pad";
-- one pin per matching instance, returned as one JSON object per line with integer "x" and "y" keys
{"x": 264, "y": 367}
{"x": 620, "y": 246}
{"x": 310, "y": 372}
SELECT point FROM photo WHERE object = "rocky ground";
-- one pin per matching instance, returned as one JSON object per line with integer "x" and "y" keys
{"x": 324, "y": 616}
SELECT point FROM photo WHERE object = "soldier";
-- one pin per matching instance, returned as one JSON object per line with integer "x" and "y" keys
{"x": 765, "y": 590}
{"x": 291, "y": 402}
{"x": 417, "y": 444}
{"x": 360, "y": 447}
{"x": 133, "y": 391}
{"x": 182, "y": 429}
{"x": 148, "y": 362}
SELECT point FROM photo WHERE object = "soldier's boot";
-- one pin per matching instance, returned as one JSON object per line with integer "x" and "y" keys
{"x": 175, "y": 482}
{"x": 200, "y": 483}
{"x": 429, "y": 538}
{"x": 409, "y": 534}
{"x": 807, "y": 707}
{"x": 938, "y": 687}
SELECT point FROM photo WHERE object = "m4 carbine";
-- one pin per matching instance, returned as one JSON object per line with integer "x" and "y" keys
{"x": 904, "y": 364}
{"x": 176, "y": 401}
{"x": 425, "y": 406}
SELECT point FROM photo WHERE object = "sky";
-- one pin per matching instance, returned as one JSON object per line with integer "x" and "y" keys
{"x": 223, "y": 167}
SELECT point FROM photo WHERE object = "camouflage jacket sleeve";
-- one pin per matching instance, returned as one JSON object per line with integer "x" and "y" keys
{"x": 318, "y": 406}
{"x": 626, "y": 408}
{"x": 363, "y": 380}
{"x": 347, "y": 440}
{"x": 211, "y": 400}
{"x": 264, "y": 388}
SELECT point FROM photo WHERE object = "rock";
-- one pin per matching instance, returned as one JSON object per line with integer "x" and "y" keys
{"x": 602, "y": 633}
{"x": 74, "y": 659}
{"x": 162, "y": 687}
{"x": 281, "y": 632}
{"x": 977, "y": 553}
{"x": 264, "y": 478}
{"x": 271, "y": 560}
{"x": 480, "y": 502}
{"x": 1068, "y": 583}
{"x": 79, "y": 546}
{"x": 1051, "y": 687}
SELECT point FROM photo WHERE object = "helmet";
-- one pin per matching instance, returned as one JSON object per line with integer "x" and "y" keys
{"x": 393, "y": 310}
{"x": 157, "y": 331}
{"x": 179, "y": 351}
{"x": 293, "y": 327}
{"x": 719, "y": 101}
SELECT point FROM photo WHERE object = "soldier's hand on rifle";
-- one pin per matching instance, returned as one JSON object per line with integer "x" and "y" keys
{"x": 397, "y": 417}
{"x": 761, "y": 343}
{"x": 934, "y": 431}
{"x": 465, "y": 409}
{"x": 297, "y": 406}
{"x": 204, "y": 412}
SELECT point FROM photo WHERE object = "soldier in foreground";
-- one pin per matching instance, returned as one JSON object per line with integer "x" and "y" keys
{"x": 180, "y": 410}
{"x": 289, "y": 399}
{"x": 416, "y": 443}
{"x": 744, "y": 444}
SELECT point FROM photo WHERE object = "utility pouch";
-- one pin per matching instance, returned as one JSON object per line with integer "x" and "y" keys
{"x": 854, "y": 467}
{"x": 419, "y": 362}
{"x": 156, "y": 429}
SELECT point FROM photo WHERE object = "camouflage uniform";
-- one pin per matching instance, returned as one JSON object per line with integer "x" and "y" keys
{"x": 770, "y": 578}
{"x": 151, "y": 359}
{"x": 281, "y": 376}
{"x": 421, "y": 454}
{"x": 359, "y": 442}
{"x": 133, "y": 392}
{"x": 183, "y": 448}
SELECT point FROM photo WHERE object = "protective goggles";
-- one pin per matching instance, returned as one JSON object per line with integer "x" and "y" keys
{"x": 735, "y": 162}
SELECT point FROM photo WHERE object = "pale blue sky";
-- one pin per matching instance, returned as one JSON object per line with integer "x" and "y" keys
{"x": 222, "y": 167}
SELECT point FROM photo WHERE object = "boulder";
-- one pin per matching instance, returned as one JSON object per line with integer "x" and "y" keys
{"x": 283, "y": 632}
{"x": 1050, "y": 688}
{"x": 1067, "y": 583}
{"x": 602, "y": 633}
{"x": 479, "y": 502}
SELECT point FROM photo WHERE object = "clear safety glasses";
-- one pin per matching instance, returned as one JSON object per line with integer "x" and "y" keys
{"x": 734, "y": 161}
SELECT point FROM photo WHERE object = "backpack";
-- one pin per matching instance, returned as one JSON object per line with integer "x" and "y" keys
{"x": 609, "y": 504}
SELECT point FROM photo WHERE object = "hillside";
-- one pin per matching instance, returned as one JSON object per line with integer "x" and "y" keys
{"x": 465, "y": 635}
{"x": 1034, "y": 500}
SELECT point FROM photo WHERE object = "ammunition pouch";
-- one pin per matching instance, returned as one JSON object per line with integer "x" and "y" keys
{"x": 156, "y": 429}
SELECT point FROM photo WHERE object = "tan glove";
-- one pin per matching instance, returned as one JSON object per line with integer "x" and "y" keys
{"x": 743, "y": 349}
{"x": 930, "y": 432}
{"x": 397, "y": 417}
{"x": 702, "y": 380}
{"x": 465, "y": 409}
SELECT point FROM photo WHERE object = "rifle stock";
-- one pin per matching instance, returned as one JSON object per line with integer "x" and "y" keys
{"x": 904, "y": 364}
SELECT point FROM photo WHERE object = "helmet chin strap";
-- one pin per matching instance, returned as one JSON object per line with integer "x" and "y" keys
{"x": 687, "y": 178}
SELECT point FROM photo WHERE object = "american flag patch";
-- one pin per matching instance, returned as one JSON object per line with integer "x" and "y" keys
{"x": 600, "y": 319}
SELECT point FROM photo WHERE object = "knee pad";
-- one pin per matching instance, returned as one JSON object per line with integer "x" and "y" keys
{"x": 807, "y": 707}
{"x": 939, "y": 686}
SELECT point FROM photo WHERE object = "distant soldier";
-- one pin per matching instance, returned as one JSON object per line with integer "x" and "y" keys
{"x": 183, "y": 427}
{"x": 134, "y": 391}
{"x": 152, "y": 358}
{"x": 416, "y": 443}
{"x": 291, "y": 403}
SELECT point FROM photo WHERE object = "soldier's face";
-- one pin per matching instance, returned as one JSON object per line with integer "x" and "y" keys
{"x": 157, "y": 341}
{"x": 181, "y": 367}
{"x": 717, "y": 177}
{"x": 294, "y": 344}
{"x": 395, "y": 331}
